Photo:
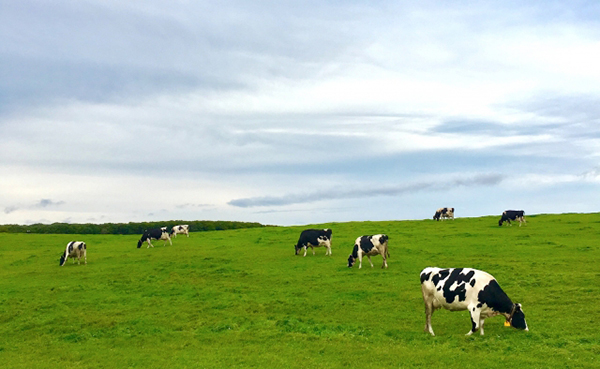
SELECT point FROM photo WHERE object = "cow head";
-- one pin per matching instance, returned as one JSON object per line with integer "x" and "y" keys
{"x": 140, "y": 243}
{"x": 351, "y": 261}
{"x": 518, "y": 318}
{"x": 503, "y": 219}
{"x": 298, "y": 248}
{"x": 63, "y": 259}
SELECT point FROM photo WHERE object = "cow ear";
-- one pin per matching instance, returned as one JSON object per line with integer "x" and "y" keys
{"x": 518, "y": 307}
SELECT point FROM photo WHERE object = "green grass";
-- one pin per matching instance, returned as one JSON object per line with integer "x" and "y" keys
{"x": 241, "y": 298}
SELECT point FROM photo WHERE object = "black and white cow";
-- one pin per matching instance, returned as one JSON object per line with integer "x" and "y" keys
{"x": 444, "y": 213}
{"x": 468, "y": 289}
{"x": 180, "y": 229}
{"x": 513, "y": 215}
{"x": 155, "y": 234}
{"x": 314, "y": 238}
{"x": 369, "y": 246}
{"x": 75, "y": 249}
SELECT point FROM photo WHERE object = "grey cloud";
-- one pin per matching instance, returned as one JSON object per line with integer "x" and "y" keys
{"x": 591, "y": 174}
{"x": 10, "y": 209}
{"x": 337, "y": 194}
{"x": 44, "y": 203}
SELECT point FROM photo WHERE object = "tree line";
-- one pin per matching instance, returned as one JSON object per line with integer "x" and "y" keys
{"x": 123, "y": 228}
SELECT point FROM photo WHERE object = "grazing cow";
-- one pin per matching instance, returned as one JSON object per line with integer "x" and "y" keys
{"x": 513, "y": 215}
{"x": 180, "y": 229}
{"x": 468, "y": 289}
{"x": 443, "y": 213}
{"x": 369, "y": 246}
{"x": 75, "y": 249}
{"x": 314, "y": 238}
{"x": 155, "y": 234}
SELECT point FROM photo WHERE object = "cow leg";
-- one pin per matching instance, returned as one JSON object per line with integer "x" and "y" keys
{"x": 359, "y": 260}
{"x": 328, "y": 250}
{"x": 481, "y": 321}
{"x": 305, "y": 250}
{"x": 384, "y": 265}
{"x": 313, "y": 250}
{"x": 475, "y": 316}
{"x": 428, "y": 314}
{"x": 149, "y": 244}
{"x": 370, "y": 262}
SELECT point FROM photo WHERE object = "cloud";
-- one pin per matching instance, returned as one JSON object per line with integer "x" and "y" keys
{"x": 338, "y": 194}
{"x": 44, "y": 203}
{"x": 189, "y": 205}
{"x": 10, "y": 209}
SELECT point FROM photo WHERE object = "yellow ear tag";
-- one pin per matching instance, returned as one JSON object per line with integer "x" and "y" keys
{"x": 507, "y": 323}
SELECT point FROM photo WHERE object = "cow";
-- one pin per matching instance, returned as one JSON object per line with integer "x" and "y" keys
{"x": 513, "y": 215}
{"x": 75, "y": 249}
{"x": 155, "y": 234}
{"x": 474, "y": 290}
{"x": 180, "y": 229}
{"x": 443, "y": 213}
{"x": 369, "y": 246}
{"x": 314, "y": 238}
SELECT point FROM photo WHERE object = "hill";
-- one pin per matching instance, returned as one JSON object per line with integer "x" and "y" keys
{"x": 241, "y": 298}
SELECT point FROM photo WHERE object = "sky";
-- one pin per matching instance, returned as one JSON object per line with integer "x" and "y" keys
{"x": 297, "y": 112}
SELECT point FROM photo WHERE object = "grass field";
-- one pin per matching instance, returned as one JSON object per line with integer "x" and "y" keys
{"x": 242, "y": 299}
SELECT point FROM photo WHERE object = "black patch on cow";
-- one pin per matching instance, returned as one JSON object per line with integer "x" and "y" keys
{"x": 383, "y": 239}
{"x": 461, "y": 281}
{"x": 473, "y": 325}
{"x": 472, "y": 282}
{"x": 366, "y": 245}
{"x": 354, "y": 252}
{"x": 71, "y": 247}
{"x": 425, "y": 277}
{"x": 493, "y": 296}
{"x": 441, "y": 275}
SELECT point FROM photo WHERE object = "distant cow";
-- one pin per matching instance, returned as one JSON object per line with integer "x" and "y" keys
{"x": 468, "y": 289}
{"x": 369, "y": 246}
{"x": 513, "y": 215}
{"x": 75, "y": 249}
{"x": 444, "y": 213}
{"x": 180, "y": 229}
{"x": 314, "y": 238}
{"x": 155, "y": 234}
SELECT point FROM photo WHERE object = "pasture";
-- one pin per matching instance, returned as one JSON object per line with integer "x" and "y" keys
{"x": 240, "y": 298}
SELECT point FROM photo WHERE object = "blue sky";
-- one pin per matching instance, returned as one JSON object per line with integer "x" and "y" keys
{"x": 287, "y": 112}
